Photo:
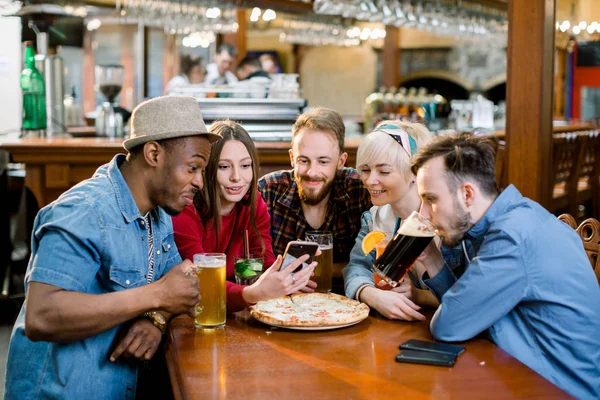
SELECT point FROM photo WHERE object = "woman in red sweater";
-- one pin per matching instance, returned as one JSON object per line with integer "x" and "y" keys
{"x": 229, "y": 205}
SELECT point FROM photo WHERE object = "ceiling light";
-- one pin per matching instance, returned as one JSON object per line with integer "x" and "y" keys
{"x": 269, "y": 15}
{"x": 255, "y": 15}
{"x": 93, "y": 24}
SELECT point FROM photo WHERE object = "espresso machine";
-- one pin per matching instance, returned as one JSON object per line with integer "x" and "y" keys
{"x": 109, "y": 81}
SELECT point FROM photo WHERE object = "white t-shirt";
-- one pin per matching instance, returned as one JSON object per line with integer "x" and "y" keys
{"x": 214, "y": 78}
{"x": 383, "y": 218}
{"x": 176, "y": 82}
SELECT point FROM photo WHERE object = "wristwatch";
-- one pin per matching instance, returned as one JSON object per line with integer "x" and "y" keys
{"x": 157, "y": 319}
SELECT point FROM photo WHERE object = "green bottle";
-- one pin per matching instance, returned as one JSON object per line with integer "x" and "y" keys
{"x": 34, "y": 93}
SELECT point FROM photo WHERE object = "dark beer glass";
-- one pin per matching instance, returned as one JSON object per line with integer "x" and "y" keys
{"x": 412, "y": 238}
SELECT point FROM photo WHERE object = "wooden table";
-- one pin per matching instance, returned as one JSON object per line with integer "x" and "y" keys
{"x": 53, "y": 165}
{"x": 249, "y": 360}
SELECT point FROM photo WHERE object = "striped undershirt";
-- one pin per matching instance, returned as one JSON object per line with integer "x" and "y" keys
{"x": 150, "y": 248}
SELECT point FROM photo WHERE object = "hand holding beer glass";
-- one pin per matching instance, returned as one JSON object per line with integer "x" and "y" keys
{"x": 379, "y": 249}
{"x": 210, "y": 268}
{"x": 401, "y": 252}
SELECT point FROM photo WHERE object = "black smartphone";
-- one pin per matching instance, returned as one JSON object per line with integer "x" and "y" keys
{"x": 426, "y": 358}
{"x": 297, "y": 249}
{"x": 443, "y": 348}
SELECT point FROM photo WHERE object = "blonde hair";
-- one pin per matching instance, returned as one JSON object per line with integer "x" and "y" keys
{"x": 322, "y": 119}
{"x": 379, "y": 147}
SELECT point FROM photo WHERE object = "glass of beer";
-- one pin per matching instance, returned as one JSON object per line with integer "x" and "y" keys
{"x": 324, "y": 270}
{"x": 379, "y": 249}
{"x": 211, "y": 272}
{"x": 401, "y": 252}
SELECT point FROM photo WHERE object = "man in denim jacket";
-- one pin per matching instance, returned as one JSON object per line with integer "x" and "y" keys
{"x": 104, "y": 274}
{"x": 527, "y": 282}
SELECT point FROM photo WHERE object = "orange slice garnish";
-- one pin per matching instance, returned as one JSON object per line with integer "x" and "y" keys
{"x": 371, "y": 239}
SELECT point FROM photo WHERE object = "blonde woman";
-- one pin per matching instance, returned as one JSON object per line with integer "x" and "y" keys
{"x": 383, "y": 162}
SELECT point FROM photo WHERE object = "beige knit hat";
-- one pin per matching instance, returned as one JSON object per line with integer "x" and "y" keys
{"x": 167, "y": 117}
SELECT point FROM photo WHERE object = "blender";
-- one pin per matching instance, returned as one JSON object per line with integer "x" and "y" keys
{"x": 109, "y": 81}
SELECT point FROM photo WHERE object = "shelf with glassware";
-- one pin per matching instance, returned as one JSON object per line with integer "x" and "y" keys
{"x": 266, "y": 107}
{"x": 406, "y": 104}
{"x": 476, "y": 114}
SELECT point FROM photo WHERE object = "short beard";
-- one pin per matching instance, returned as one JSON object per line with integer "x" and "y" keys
{"x": 461, "y": 225}
{"x": 313, "y": 199}
{"x": 163, "y": 192}
{"x": 171, "y": 211}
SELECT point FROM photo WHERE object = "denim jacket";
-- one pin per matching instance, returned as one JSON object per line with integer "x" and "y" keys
{"x": 92, "y": 239}
{"x": 358, "y": 272}
{"x": 530, "y": 287}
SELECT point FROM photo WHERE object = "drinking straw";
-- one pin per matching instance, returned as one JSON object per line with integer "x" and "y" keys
{"x": 398, "y": 219}
{"x": 246, "y": 245}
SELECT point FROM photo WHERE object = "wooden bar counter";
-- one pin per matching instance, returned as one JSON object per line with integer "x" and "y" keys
{"x": 249, "y": 360}
{"x": 53, "y": 165}
{"x": 565, "y": 127}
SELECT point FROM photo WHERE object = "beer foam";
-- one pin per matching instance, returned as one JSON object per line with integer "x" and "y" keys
{"x": 210, "y": 265}
{"x": 200, "y": 260}
{"x": 416, "y": 227}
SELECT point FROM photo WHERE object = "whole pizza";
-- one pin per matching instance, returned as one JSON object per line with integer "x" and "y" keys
{"x": 310, "y": 310}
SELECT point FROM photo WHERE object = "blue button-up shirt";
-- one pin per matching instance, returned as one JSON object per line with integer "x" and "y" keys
{"x": 530, "y": 287}
{"x": 91, "y": 240}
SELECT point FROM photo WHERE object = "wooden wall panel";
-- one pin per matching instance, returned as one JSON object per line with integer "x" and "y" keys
{"x": 89, "y": 96}
{"x": 529, "y": 97}
{"x": 238, "y": 39}
{"x": 58, "y": 176}
{"x": 391, "y": 57}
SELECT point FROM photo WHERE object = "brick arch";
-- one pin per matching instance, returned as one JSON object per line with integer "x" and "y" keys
{"x": 437, "y": 74}
{"x": 495, "y": 81}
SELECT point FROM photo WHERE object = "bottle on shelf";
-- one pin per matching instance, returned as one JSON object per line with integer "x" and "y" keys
{"x": 373, "y": 108}
{"x": 396, "y": 105}
{"x": 402, "y": 103}
{"x": 73, "y": 114}
{"x": 420, "y": 105}
{"x": 388, "y": 102}
{"x": 412, "y": 102}
{"x": 34, "y": 93}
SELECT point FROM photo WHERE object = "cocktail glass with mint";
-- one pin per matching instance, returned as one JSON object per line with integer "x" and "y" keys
{"x": 248, "y": 269}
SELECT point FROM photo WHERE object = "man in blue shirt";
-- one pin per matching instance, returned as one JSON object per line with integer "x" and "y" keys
{"x": 527, "y": 283}
{"x": 105, "y": 274}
